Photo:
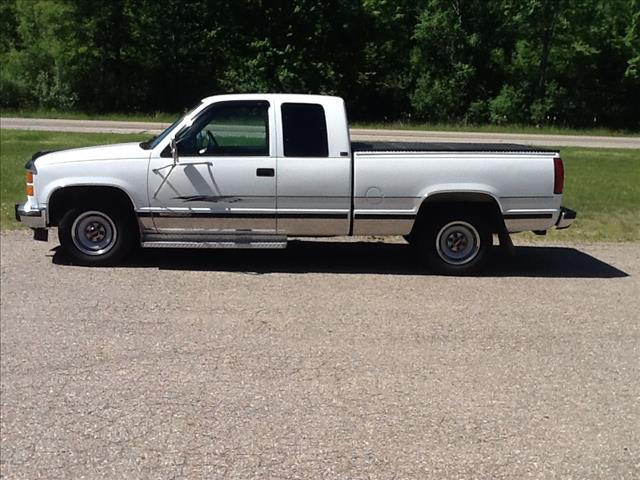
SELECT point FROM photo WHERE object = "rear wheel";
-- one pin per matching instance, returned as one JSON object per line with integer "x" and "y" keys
{"x": 455, "y": 244}
{"x": 96, "y": 235}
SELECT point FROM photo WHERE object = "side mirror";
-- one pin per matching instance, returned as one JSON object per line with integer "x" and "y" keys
{"x": 174, "y": 151}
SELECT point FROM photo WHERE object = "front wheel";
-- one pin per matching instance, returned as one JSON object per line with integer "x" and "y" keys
{"x": 455, "y": 244}
{"x": 96, "y": 236}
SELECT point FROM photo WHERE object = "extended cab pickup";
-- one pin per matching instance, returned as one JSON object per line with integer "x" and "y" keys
{"x": 250, "y": 171}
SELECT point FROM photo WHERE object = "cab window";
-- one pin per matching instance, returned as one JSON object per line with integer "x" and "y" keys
{"x": 304, "y": 130}
{"x": 228, "y": 129}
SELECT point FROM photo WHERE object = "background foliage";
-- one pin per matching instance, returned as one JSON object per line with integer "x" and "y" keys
{"x": 540, "y": 62}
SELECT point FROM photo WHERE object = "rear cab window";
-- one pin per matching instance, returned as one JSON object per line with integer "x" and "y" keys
{"x": 304, "y": 130}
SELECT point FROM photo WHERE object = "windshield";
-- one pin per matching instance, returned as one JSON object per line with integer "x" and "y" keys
{"x": 155, "y": 140}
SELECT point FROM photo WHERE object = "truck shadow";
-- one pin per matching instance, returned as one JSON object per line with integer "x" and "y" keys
{"x": 368, "y": 258}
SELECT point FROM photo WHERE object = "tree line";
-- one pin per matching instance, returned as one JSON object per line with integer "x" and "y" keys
{"x": 562, "y": 62}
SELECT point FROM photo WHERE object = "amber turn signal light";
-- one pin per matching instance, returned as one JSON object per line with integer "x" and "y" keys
{"x": 29, "y": 183}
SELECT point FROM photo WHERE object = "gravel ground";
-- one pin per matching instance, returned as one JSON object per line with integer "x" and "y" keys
{"x": 328, "y": 360}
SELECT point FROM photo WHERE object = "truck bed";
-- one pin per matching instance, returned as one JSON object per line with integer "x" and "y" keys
{"x": 443, "y": 147}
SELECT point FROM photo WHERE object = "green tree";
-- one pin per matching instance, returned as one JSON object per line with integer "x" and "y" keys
{"x": 300, "y": 46}
{"x": 460, "y": 47}
{"x": 37, "y": 63}
{"x": 571, "y": 62}
{"x": 632, "y": 42}
{"x": 383, "y": 71}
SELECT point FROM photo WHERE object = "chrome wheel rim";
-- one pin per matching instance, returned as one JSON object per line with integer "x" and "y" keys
{"x": 94, "y": 233}
{"x": 458, "y": 243}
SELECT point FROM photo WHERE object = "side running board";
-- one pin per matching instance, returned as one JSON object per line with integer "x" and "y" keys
{"x": 212, "y": 241}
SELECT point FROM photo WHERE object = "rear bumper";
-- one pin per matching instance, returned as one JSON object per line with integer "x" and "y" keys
{"x": 31, "y": 218}
{"x": 566, "y": 218}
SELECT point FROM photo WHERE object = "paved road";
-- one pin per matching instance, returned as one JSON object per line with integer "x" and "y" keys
{"x": 356, "y": 134}
{"x": 327, "y": 360}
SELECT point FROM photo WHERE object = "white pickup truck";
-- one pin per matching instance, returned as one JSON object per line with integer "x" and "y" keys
{"x": 250, "y": 171}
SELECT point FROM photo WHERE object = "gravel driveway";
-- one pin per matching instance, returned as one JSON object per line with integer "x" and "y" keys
{"x": 327, "y": 360}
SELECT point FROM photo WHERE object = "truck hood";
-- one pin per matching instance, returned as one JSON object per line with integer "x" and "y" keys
{"x": 118, "y": 151}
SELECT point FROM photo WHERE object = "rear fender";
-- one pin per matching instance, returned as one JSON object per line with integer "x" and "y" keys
{"x": 465, "y": 196}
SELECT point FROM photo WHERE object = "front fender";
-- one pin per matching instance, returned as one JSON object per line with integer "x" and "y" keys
{"x": 130, "y": 178}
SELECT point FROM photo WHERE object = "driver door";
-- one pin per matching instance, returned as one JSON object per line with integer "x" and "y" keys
{"x": 224, "y": 181}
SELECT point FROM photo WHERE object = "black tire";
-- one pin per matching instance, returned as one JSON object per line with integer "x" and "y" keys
{"x": 97, "y": 235}
{"x": 455, "y": 243}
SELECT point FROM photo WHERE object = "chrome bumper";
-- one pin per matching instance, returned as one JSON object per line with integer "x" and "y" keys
{"x": 566, "y": 218}
{"x": 31, "y": 218}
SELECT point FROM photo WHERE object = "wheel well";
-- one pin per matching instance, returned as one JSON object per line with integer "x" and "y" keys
{"x": 64, "y": 199}
{"x": 478, "y": 203}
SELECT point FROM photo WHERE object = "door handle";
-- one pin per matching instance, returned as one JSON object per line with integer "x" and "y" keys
{"x": 265, "y": 172}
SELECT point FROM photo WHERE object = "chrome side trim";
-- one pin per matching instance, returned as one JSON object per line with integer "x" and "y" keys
{"x": 310, "y": 227}
{"x": 379, "y": 222}
{"x": 205, "y": 219}
{"x": 313, "y": 222}
{"x": 392, "y": 226}
{"x": 307, "y": 222}
{"x": 230, "y": 223}
{"x": 384, "y": 216}
{"x": 146, "y": 223}
{"x": 526, "y": 225}
{"x": 526, "y": 216}
{"x": 529, "y": 220}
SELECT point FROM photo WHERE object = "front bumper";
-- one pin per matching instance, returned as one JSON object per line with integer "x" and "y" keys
{"x": 31, "y": 218}
{"x": 566, "y": 218}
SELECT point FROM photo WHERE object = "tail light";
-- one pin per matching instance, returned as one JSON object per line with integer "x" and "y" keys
{"x": 558, "y": 175}
{"x": 29, "y": 188}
